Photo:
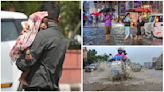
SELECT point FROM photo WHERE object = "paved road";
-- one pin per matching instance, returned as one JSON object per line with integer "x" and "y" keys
{"x": 96, "y": 36}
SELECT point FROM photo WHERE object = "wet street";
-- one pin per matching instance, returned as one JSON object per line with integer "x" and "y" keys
{"x": 146, "y": 80}
{"x": 96, "y": 36}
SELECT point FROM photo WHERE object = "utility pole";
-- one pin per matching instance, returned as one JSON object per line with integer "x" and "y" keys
{"x": 118, "y": 4}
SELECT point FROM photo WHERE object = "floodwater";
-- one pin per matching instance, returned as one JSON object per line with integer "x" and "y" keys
{"x": 96, "y": 36}
{"x": 100, "y": 80}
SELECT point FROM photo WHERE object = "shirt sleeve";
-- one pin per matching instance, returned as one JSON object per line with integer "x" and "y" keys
{"x": 36, "y": 49}
{"x": 114, "y": 58}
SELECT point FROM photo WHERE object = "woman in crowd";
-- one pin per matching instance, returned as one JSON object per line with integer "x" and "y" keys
{"x": 108, "y": 25}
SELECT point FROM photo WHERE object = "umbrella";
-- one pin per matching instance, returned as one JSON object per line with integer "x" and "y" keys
{"x": 107, "y": 10}
{"x": 142, "y": 10}
{"x": 96, "y": 14}
{"x": 130, "y": 10}
{"x": 139, "y": 10}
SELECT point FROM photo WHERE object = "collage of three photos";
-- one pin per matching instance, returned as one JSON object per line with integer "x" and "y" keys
{"x": 82, "y": 45}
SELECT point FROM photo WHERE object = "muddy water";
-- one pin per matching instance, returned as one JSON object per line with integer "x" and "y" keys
{"x": 146, "y": 80}
{"x": 101, "y": 73}
{"x": 96, "y": 36}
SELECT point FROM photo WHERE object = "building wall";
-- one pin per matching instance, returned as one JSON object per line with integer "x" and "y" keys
{"x": 72, "y": 68}
{"x": 125, "y": 5}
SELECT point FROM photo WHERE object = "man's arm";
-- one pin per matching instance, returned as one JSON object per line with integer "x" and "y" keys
{"x": 36, "y": 49}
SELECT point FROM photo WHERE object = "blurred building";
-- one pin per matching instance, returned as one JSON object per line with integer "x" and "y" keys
{"x": 154, "y": 59}
{"x": 85, "y": 51}
{"x": 85, "y": 6}
{"x": 85, "y": 54}
{"x": 122, "y": 6}
{"x": 159, "y": 63}
{"x": 148, "y": 65}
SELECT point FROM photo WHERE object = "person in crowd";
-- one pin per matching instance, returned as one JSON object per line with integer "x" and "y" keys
{"x": 124, "y": 56}
{"x": 140, "y": 25}
{"x": 127, "y": 22}
{"x": 108, "y": 25}
{"x": 90, "y": 19}
{"x": 84, "y": 19}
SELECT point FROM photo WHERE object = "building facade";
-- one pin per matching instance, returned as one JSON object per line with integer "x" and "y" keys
{"x": 122, "y": 6}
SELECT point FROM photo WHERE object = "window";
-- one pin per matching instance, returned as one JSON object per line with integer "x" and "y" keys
{"x": 8, "y": 31}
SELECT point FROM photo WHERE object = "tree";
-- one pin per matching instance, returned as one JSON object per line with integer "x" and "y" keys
{"x": 100, "y": 58}
{"x": 105, "y": 57}
{"x": 27, "y": 7}
{"x": 71, "y": 21}
{"x": 91, "y": 56}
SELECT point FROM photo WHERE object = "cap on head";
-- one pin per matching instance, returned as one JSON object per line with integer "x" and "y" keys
{"x": 52, "y": 8}
{"x": 120, "y": 48}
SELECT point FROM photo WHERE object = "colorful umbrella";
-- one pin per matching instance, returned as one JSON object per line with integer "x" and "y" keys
{"x": 96, "y": 14}
{"x": 139, "y": 10}
{"x": 142, "y": 10}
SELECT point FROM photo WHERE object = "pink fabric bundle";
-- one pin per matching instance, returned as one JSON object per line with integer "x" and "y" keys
{"x": 28, "y": 34}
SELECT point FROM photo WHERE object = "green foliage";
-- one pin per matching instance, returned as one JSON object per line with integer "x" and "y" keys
{"x": 91, "y": 56}
{"x": 105, "y": 57}
{"x": 70, "y": 19}
{"x": 27, "y": 7}
{"x": 70, "y": 16}
{"x": 102, "y": 57}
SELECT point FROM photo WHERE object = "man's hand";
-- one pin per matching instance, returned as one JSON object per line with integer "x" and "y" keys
{"x": 28, "y": 55}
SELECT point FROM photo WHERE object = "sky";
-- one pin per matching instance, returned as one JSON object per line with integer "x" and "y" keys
{"x": 136, "y": 54}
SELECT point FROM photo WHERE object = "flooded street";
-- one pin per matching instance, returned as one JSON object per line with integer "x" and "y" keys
{"x": 122, "y": 46}
{"x": 146, "y": 80}
{"x": 96, "y": 36}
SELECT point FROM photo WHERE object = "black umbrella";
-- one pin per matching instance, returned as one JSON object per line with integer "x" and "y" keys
{"x": 107, "y": 10}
